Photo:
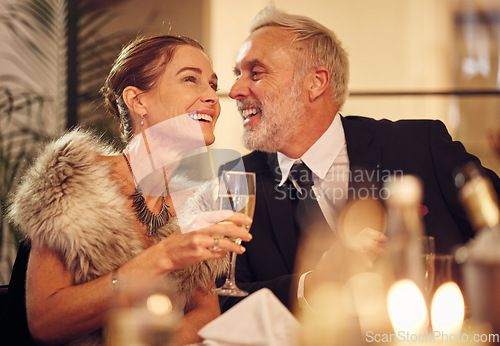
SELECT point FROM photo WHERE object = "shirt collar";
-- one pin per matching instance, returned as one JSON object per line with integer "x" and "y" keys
{"x": 321, "y": 155}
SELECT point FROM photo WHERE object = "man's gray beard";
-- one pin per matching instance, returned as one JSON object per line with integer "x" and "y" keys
{"x": 278, "y": 122}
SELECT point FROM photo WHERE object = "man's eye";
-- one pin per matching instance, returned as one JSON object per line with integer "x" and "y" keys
{"x": 214, "y": 86}
{"x": 255, "y": 74}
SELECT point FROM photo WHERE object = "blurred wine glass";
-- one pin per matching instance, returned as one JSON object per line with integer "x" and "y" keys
{"x": 144, "y": 314}
{"x": 443, "y": 269}
{"x": 429, "y": 257}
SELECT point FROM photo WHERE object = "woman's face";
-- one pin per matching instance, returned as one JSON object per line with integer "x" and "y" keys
{"x": 187, "y": 85}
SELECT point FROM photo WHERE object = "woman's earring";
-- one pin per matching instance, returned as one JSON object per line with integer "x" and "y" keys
{"x": 142, "y": 120}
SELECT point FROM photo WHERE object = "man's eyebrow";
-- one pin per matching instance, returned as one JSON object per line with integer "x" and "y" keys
{"x": 250, "y": 64}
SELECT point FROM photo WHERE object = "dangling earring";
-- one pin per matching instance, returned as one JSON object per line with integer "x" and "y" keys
{"x": 148, "y": 150}
{"x": 145, "y": 139}
{"x": 152, "y": 221}
{"x": 143, "y": 133}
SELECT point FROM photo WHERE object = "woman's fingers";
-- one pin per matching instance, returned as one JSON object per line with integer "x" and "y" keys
{"x": 240, "y": 219}
{"x": 225, "y": 245}
{"x": 187, "y": 249}
{"x": 209, "y": 218}
{"x": 211, "y": 242}
{"x": 228, "y": 229}
{"x": 216, "y": 238}
{"x": 235, "y": 226}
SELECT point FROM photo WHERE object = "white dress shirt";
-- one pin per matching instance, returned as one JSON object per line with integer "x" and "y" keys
{"x": 328, "y": 160}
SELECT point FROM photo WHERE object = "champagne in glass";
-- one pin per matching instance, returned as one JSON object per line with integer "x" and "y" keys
{"x": 244, "y": 204}
{"x": 236, "y": 193}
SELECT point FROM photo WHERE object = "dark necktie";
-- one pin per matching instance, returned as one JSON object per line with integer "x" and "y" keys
{"x": 306, "y": 207}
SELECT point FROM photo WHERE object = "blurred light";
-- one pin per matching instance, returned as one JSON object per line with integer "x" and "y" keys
{"x": 368, "y": 299}
{"x": 448, "y": 309}
{"x": 159, "y": 304}
{"x": 407, "y": 308}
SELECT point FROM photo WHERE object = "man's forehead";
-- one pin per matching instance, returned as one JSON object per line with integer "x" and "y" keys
{"x": 261, "y": 43}
{"x": 243, "y": 52}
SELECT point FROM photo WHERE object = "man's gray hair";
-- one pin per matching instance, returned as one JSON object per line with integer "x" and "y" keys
{"x": 323, "y": 47}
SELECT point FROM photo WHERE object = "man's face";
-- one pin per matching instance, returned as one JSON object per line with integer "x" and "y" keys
{"x": 269, "y": 94}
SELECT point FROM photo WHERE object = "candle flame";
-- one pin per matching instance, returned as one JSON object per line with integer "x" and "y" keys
{"x": 448, "y": 309}
{"x": 407, "y": 308}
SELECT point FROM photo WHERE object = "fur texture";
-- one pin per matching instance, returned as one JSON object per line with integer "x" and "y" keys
{"x": 68, "y": 201}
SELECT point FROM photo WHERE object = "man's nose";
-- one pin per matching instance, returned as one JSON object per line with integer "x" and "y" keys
{"x": 238, "y": 90}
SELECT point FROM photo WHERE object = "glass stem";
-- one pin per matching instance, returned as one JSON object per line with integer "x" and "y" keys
{"x": 230, "y": 275}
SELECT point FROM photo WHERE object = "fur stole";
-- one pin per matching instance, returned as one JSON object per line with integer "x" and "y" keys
{"x": 68, "y": 201}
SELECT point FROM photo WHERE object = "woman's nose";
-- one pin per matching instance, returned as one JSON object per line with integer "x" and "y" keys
{"x": 211, "y": 96}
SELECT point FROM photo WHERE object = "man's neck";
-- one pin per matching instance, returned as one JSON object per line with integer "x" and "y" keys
{"x": 302, "y": 141}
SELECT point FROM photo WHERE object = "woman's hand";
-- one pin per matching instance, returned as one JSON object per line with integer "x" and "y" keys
{"x": 180, "y": 250}
{"x": 206, "y": 243}
{"x": 56, "y": 312}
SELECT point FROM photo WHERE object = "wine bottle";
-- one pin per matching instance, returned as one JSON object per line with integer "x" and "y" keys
{"x": 405, "y": 229}
{"x": 478, "y": 197}
{"x": 480, "y": 257}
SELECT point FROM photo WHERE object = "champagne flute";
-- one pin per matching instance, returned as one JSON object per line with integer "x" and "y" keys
{"x": 236, "y": 193}
{"x": 443, "y": 272}
{"x": 429, "y": 256}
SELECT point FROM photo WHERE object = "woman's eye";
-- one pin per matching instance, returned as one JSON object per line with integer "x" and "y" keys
{"x": 214, "y": 86}
{"x": 191, "y": 79}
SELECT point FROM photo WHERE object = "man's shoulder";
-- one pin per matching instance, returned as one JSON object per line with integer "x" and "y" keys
{"x": 257, "y": 156}
{"x": 255, "y": 161}
{"x": 358, "y": 119}
{"x": 258, "y": 161}
{"x": 381, "y": 126}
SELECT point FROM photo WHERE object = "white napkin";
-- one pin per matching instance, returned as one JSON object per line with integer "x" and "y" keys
{"x": 259, "y": 319}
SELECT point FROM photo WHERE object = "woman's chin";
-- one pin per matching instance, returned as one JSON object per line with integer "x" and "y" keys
{"x": 209, "y": 139}
{"x": 208, "y": 134}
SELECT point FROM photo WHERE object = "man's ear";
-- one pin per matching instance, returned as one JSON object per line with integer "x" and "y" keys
{"x": 319, "y": 82}
{"x": 133, "y": 100}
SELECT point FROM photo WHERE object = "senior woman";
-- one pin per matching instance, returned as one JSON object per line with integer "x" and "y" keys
{"x": 93, "y": 229}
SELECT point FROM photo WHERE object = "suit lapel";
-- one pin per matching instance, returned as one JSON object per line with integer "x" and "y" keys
{"x": 364, "y": 158}
{"x": 280, "y": 211}
{"x": 364, "y": 155}
{"x": 361, "y": 148}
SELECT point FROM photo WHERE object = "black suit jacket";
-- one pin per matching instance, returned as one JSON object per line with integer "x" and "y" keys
{"x": 376, "y": 149}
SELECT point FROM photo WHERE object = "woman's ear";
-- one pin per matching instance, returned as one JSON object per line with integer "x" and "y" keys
{"x": 133, "y": 100}
{"x": 319, "y": 82}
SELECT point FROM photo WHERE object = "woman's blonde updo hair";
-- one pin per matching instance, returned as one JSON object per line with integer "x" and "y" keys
{"x": 139, "y": 64}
